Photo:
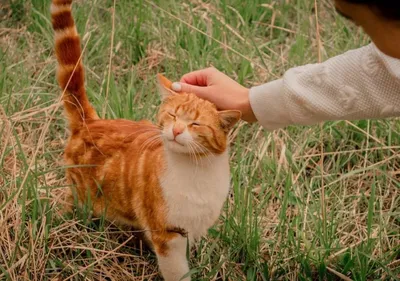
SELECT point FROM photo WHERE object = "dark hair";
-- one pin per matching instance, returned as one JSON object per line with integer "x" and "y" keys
{"x": 388, "y": 9}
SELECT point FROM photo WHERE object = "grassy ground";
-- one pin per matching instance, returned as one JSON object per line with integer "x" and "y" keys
{"x": 307, "y": 203}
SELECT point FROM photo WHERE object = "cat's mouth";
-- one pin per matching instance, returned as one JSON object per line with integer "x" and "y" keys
{"x": 174, "y": 141}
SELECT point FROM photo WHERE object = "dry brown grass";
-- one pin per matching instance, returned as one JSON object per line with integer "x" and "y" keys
{"x": 303, "y": 198}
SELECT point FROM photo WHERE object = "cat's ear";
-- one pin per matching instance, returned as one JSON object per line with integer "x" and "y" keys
{"x": 164, "y": 87}
{"x": 229, "y": 118}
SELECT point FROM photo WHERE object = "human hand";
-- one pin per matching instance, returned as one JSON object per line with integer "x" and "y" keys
{"x": 214, "y": 86}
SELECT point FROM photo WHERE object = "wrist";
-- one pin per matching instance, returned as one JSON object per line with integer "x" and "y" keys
{"x": 245, "y": 107}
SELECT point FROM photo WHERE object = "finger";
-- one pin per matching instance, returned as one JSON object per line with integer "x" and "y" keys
{"x": 199, "y": 77}
{"x": 187, "y": 88}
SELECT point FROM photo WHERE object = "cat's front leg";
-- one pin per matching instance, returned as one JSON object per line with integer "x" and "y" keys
{"x": 171, "y": 255}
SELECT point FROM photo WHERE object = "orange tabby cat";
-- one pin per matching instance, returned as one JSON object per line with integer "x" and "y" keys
{"x": 169, "y": 179}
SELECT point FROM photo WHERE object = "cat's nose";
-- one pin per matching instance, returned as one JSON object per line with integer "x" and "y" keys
{"x": 177, "y": 130}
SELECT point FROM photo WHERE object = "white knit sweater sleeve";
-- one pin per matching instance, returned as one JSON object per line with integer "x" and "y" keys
{"x": 360, "y": 84}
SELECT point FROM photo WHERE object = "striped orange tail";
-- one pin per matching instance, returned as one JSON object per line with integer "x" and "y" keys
{"x": 70, "y": 72}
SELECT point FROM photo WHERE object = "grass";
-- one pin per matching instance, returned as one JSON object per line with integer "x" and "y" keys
{"x": 307, "y": 203}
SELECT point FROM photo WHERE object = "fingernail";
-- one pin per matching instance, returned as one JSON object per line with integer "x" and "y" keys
{"x": 176, "y": 86}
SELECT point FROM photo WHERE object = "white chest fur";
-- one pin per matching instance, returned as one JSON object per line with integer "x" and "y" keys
{"x": 195, "y": 193}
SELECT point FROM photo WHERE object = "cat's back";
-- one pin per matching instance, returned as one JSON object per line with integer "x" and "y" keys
{"x": 107, "y": 137}
{"x": 114, "y": 159}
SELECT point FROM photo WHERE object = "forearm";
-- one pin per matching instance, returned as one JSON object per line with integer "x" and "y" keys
{"x": 360, "y": 84}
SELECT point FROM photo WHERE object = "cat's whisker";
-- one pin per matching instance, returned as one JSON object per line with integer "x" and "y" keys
{"x": 196, "y": 147}
{"x": 150, "y": 141}
{"x": 192, "y": 151}
{"x": 206, "y": 150}
{"x": 199, "y": 148}
{"x": 146, "y": 130}
{"x": 203, "y": 149}
{"x": 143, "y": 131}
{"x": 147, "y": 145}
{"x": 198, "y": 151}
{"x": 196, "y": 159}
{"x": 159, "y": 127}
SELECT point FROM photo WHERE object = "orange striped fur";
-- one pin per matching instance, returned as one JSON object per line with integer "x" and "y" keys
{"x": 70, "y": 72}
{"x": 169, "y": 179}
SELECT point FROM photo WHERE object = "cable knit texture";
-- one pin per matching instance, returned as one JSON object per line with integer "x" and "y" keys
{"x": 360, "y": 84}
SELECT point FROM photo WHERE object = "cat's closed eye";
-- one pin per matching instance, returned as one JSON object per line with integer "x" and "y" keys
{"x": 172, "y": 115}
{"x": 195, "y": 124}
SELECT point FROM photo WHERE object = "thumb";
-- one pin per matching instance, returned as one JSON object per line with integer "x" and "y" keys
{"x": 187, "y": 88}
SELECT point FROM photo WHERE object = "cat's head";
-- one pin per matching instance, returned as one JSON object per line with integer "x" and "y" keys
{"x": 192, "y": 125}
